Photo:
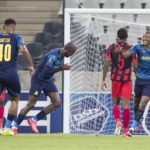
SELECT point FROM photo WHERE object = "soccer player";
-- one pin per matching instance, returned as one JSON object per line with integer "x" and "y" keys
{"x": 42, "y": 81}
{"x": 142, "y": 83}
{"x": 121, "y": 78}
{"x": 10, "y": 45}
{"x": 2, "y": 97}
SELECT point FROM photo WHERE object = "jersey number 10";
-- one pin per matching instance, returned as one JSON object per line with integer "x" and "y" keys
{"x": 5, "y": 52}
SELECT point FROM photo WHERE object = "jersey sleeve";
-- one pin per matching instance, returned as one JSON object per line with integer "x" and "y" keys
{"x": 133, "y": 49}
{"x": 20, "y": 40}
{"x": 134, "y": 58}
{"x": 108, "y": 53}
{"x": 49, "y": 69}
{"x": 50, "y": 60}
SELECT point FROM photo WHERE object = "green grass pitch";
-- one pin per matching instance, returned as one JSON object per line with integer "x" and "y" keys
{"x": 73, "y": 142}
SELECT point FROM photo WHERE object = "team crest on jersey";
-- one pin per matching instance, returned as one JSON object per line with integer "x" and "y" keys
{"x": 36, "y": 93}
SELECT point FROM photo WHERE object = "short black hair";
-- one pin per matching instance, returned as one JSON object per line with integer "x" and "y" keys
{"x": 10, "y": 21}
{"x": 70, "y": 45}
{"x": 122, "y": 33}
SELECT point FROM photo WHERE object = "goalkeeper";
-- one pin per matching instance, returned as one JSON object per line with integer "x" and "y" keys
{"x": 121, "y": 79}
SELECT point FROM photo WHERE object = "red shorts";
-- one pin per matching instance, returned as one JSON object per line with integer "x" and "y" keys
{"x": 122, "y": 89}
{"x": 2, "y": 95}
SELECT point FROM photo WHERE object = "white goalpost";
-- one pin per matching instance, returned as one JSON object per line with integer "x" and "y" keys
{"x": 86, "y": 108}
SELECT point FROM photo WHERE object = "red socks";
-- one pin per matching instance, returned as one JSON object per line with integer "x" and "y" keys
{"x": 1, "y": 116}
{"x": 126, "y": 117}
{"x": 116, "y": 112}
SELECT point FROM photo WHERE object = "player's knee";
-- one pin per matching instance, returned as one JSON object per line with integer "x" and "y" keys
{"x": 15, "y": 98}
{"x": 142, "y": 105}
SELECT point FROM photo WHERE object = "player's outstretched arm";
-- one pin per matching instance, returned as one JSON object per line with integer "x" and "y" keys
{"x": 26, "y": 54}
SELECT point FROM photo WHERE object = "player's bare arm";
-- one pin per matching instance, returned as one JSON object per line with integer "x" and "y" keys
{"x": 26, "y": 54}
{"x": 66, "y": 67}
{"x": 105, "y": 71}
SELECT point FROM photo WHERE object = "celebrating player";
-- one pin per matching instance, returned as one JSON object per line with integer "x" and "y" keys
{"x": 42, "y": 81}
{"x": 142, "y": 84}
{"x": 121, "y": 78}
{"x": 10, "y": 44}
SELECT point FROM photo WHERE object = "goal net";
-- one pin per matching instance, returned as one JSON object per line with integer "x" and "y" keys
{"x": 87, "y": 109}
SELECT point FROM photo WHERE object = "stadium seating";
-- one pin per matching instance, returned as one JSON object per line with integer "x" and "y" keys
{"x": 52, "y": 27}
{"x": 30, "y": 15}
{"x": 36, "y": 51}
{"x": 43, "y": 37}
{"x": 51, "y": 37}
{"x": 22, "y": 63}
{"x": 55, "y": 29}
{"x": 108, "y": 4}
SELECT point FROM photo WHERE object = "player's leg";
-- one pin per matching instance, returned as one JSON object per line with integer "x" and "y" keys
{"x": 138, "y": 115}
{"x": 126, "y": 95}
{"x": 2, "y": 97}
{"x": 137, "y": 99}
{"x": 30, "y": 104}
{"x": 13, "y": 87}
{"x": 48, "y": 109}
{"x": 145, "y": 88}
{"x": 116, "y": 88}
{"x": 35, "y": 91}
{"x": 53, "y": 94}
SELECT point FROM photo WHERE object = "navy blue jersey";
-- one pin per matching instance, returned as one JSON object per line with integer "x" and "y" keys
{"x": 143, "y": 70}
{"x": 121, "y": 67}
{"x": 53, "y": 61}
{"x": 9, "y": 46}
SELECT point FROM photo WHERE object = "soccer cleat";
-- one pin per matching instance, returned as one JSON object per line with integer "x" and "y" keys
{"x": 7, "y": 132}
{"x": 130, "y": 132}
{"x": 14, "y": 130}
{"x": 33, "y": 125}
{"x": 124, "y": 134}
{"x": 138, "y": 127}
{"x": 118, "y": 128}
{"x": 0, "y": 131}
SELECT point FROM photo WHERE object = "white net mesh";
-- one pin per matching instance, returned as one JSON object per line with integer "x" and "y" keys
{"x": 90, "y": 109}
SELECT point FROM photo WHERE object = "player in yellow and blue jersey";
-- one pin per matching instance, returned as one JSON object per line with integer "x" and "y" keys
{"x": 10, "y": 45}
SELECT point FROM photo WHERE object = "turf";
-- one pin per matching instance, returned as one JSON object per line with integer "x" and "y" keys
{"x": 73, "y": 142}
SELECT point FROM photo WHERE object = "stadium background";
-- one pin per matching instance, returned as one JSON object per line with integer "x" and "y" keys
{"x": 41, "y": 25}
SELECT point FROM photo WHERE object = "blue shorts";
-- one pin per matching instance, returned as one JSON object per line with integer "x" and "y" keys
{"x": 142, "y": 87}
{"x": 37, "y": 86}
{"x": 10, "y": 80}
